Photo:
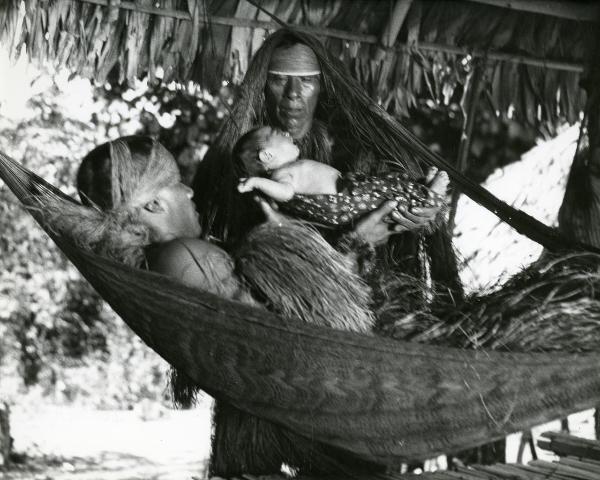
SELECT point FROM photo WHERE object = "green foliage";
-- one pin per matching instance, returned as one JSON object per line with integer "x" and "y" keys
{"x": 496, "y": 141}
{"x": 56, "y": 334}
{"x": 184, "y": 118}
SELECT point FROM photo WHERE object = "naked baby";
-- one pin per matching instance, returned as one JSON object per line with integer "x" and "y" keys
{"x": 271, "y": 157}
{"x": 318, "y": 192}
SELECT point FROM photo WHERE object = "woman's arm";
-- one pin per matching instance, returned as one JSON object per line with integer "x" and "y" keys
{"x": 198, "y": 264}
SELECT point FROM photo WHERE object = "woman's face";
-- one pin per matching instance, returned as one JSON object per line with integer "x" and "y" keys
{"x": 291, "y": 101}
{"x": 171, "y": 214}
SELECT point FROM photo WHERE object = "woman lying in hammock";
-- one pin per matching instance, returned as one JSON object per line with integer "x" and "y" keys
{"x": 137, "y": 211}
{"x": 134, "y": 187}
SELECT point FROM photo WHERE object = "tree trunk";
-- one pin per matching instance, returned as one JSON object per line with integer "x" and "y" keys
{"x": 579, "y": 215}
{"x": 5, "y": 439}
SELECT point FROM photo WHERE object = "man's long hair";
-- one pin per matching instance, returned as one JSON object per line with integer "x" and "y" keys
{"x": 370, "y": 140}
{"x": 356, "y": 123}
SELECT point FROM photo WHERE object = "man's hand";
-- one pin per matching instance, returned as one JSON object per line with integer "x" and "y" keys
{"x": 419, "y": 217}
{"x": 377, "y": 227}
{"x": 269, "y": 209}
{"x": 374, "y": 228}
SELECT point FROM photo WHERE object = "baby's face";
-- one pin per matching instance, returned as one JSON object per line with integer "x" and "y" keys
{"x": 278, "y": 149}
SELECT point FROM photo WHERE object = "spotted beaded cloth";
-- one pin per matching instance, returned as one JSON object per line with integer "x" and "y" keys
{"x": 360, "y": 194}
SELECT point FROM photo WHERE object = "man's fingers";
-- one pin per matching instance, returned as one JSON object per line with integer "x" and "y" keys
{"x": 270, "y": 210}
{"x": 416, "y": 218}
{"x": 399, "y": 228}
{"x": 404, "y": 222}
{"x": 266, "y": 208}
{"x": 424, "y": 212}
{"x": 379, "y": 215}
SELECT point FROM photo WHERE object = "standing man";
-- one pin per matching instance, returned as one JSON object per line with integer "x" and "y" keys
{"x": 294, "y": 84}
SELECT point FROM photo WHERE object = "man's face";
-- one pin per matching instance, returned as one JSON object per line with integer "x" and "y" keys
{"x": 291, "y": 101}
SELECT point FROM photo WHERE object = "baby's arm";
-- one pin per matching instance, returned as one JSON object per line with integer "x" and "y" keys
{"x": 280, "y": 191}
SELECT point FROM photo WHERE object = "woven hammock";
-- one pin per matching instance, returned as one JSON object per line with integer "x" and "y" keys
{"x": 381, "y": 399}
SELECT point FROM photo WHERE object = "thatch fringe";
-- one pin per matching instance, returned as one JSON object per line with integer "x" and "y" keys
{"x": 534, "y": 60}
{"x": 550, "y": 306}
{"x": 322, "y": 281}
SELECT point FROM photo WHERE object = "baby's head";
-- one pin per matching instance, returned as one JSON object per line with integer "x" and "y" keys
{"x": 262, "y": 150}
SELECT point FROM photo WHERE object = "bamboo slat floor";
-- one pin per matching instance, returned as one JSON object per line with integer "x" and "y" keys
{"x": 579, "y": 459}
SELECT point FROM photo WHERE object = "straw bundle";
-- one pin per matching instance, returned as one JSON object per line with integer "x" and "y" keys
{"x": 550, "y": 306}
{"x": 299, "y": 275}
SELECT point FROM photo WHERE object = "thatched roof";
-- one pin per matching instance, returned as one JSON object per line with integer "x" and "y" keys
{"x": 533, "y": 51}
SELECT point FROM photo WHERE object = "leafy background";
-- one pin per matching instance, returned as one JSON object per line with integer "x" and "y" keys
{"x": 58, "y": 339}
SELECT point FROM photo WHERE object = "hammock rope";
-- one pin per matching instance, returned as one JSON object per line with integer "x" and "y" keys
{"x": 380, "y": 399}
{"x": 550, "y": 238}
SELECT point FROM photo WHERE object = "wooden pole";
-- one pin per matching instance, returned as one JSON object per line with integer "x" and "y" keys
{"x": 125, "y": 5}
{"x": 569, "y": 10}
{"x": 352, "y": 37}
{"x": 560, "y": 9}
{"x": 579, "y": 215}
{"x": 392, "y": 29}
{"x": 5, "y": 438}
{"x": 469, "y": 104}
{"x": 382, "y": 59}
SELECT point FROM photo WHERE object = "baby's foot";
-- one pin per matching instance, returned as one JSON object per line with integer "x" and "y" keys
{"x": 437, "y": 181}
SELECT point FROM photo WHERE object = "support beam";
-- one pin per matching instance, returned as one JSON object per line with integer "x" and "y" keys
{"x": 388, "y": 36}
{"x": 355, "y": 37}
{"x": 579, "y": 215}
{"x": 468, "y": 104}
{"x": 560, "y": 9}
{"x": 570, "y": 10}
{"x": 5, "y": 438}
{"x": 392, "y": 29}
{"x": 125, "y": 5}
{"x": 503, "y": 57}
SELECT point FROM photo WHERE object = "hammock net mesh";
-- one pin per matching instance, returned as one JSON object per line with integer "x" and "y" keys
{"x": 380, "y": 399}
